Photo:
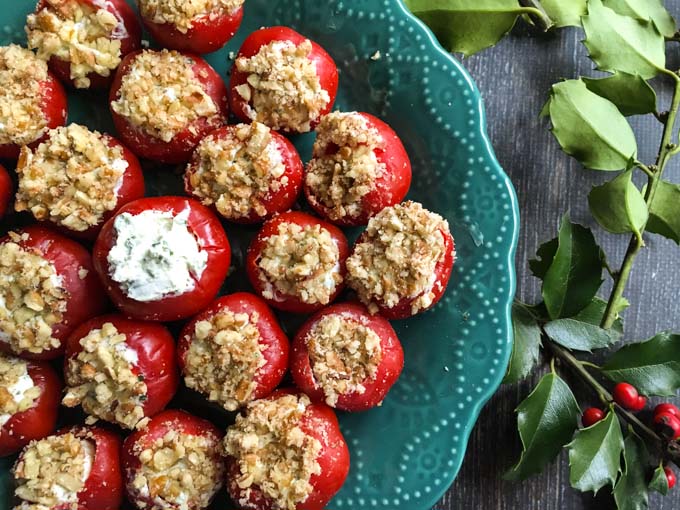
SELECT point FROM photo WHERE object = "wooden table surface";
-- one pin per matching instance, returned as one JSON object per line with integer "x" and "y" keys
{"x": 514, "y": 78}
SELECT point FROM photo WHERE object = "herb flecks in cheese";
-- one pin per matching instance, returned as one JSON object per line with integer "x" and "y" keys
{"x": 237, "y": 173}
{"x": 303, "y": 262}
{"x": 71, "y": 178}
{"x": 79, "y": 33}
{"x": 283, "y": 89}
{"x": 344, "y": 355}
{"x": 344, "y": 167}
{"x": 179, "y": 471}
{"x": 53, "y": 470}
{"x": 32, "y": 299}
{"x": 182, "y": 13}
{"x": 18, "y": 393}
{"x": 155, "y": 255}
{"x": 397, "y": 258}
{"x": 104, "y": 378}
{"x": 223, "y": 358}
{"x": 274, "y": 454}
{"x": 161, "y": 95}
{"x": 22, "y": 77}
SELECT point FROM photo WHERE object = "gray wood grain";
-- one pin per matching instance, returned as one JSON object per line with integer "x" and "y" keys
{"x": 514, "y": 78}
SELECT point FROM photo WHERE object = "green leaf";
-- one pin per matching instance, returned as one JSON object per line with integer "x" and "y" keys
{"x": 618, "y": 206}
{"x": 631, "y": 491}
{"x": 526, "y": 346}
{"x": 546, "y": 420}
{"x": 620, "y": 43}
{"x": 653, "y": 366}
{"x": 575, "y": 274}
{"x": 565, "y": 14}
{"x": 544, "y": 258}
{"x": 594, "y": 312}
{"x": 467, "y": 27}
{"x": 590, "y": 128}
{"x": 578, "y": 335}
{"x": 595, "y": 455}
{"x": 645, "y": 10}
{"x": 631, "y": 94}
{"x": 659, "y": 481}
{"x": 664, "y": 213}
{"x": 619, "y": 306}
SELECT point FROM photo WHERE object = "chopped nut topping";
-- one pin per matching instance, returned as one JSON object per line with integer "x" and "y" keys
{"x": 31, "y": 298}
{"x": 161, "y": 95}
{"x": 105, "y": 380}
{"x": 237, "y": 173}
{"x": 17, "y": 391}
{"x": 71, "y": 179}
{"x": 398, "y": 256}
{"x": 344, "y": 167}
{"x": 344, "y": 354}
{"x": 274, "y": 454}
{"x": 22, "y": 74}
{"x": 179, "y": 471}
{"x": 283, "y": 89}
{"x": 182, "y": 13}
{"x": 223, "y": 358}
{"x": 300, "y": 261}
{"x": 53, "y": 470}
{"x": 78, "y": 33}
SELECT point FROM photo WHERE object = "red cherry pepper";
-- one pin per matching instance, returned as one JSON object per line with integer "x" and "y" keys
{"x": 668, "y": 425}
{"x": 627, "y": 397}
{"x": 667, "y": 408}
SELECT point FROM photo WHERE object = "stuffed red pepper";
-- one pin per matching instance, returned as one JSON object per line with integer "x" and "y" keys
{"x": 162, "y": 258}
{"x": 234, "y": 352}
{"x": 76, "y": 179}
{"x": 119, "y": 370}
{"x": 29, "y": 402}
{"x": 47, "y": 288}
{"x": 282, "y": 79}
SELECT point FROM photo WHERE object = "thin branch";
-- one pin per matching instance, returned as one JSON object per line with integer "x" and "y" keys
{"x": 537, "y": 13}
{"x": 666, "y": 152}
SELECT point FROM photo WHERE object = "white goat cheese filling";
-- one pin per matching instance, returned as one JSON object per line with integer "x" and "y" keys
{"x": 155, "y": 255}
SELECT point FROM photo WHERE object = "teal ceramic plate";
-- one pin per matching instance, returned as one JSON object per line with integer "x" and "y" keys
{"x": 406, "y": 453}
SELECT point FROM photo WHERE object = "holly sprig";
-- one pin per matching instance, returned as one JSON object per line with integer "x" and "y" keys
{"x": 627, "y": 40}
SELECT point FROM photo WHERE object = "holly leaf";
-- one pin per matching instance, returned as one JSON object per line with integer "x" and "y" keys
{"x": 527, "y": 344}
{"x": 595, "y": 455}
{"x": 620, "y": 43}
{"x": 631, "y": 491}
{"x": 645, "y": 10}
{"x": 546, "y": 420}
{"x": 659, "y": 481}
{"x": 580, "y": 336}
{"x": 618, "y": 206}
{"x": 467, "y": 27}
{"x": 590, "y": 128}
{"x": 544, "y": 258}
{"x": 594, "y": 312}
{"x": 631, "y": 94}
{"x": 565, "y": 14}
{"x": 664, "y": 213}
{"x": 575, "y": 273}
{"x": 653, "y": 366}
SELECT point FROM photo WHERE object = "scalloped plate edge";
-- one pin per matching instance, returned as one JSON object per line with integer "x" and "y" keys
{"x": 509, "y": 261}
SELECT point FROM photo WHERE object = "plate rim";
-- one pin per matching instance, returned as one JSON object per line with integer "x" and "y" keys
{"x": 480, "y": 129}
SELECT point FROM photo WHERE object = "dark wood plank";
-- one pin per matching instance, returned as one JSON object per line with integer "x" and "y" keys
{"x": 514, "y": 79}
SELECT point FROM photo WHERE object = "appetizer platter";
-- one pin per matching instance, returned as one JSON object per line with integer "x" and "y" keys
{"x": 254, "y": 256}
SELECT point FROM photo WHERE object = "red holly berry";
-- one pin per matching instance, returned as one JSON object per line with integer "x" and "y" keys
{"x": 670, "y": 476}
{"x": 591, "y": 416}
{"x": 667, "y": 424}
{"x": 667, "y": 408}
{"x": 627, "y": 397}
{"x": 640, "y": 404}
